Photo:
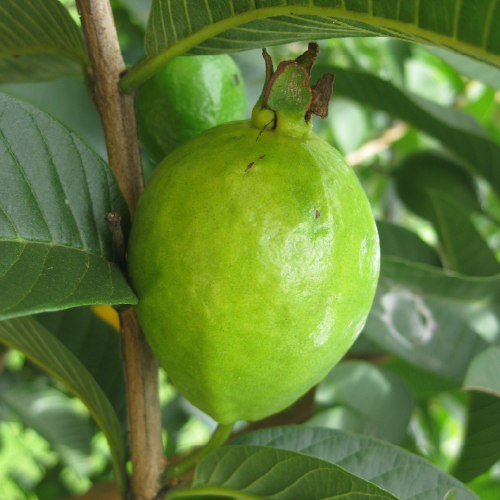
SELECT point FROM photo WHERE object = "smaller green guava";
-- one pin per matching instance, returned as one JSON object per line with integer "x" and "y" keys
{"x": 254, "y": 254}
{"x": 188, "y": 95}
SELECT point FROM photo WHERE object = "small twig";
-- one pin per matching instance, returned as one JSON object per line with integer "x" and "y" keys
{"x": 113, "y": 220}
{"x": 376, "y": 146}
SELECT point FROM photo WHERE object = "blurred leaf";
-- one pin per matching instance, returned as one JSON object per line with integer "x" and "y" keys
{"x": 173, "y": 418}
{"x": 223, "y": 26}
{"x": 427, "y": 80}
{"x": 51, "y": 486}
{"x": 466, "y": 250}
{"x": 56, "y": 249}
{"x": 260, "y": 472}
{"x": 39, "y": 41}
{"x": 96, "y": 344}
{"x": 432, "y": 318}
{"x": 428, "y": 170}
{"x": 405, "y": 475}
{"x": 67, "y": 101}
{"x": 139, "y": 10}
{"x": 50, "y": 413}
{"x": 41, "y": 347}
{"x": 469, "y": 67}
{"x": 130, "y": 31}
{"x": 382, "y": 399}
{"x": 424, "y": 383}
{"x": 484, "y": 372}
{"x": 481, "y": 448}
{"x": 486, "y": 487}
{"x": 457, "y": 130}
{"x": 342, "y": 418}
{"x": 482, "y": 109}
{"x": 397, "y": 241}
{"x": 349, "y": 123}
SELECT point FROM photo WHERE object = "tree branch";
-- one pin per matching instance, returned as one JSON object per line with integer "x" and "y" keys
{"x": 120, "y": 127}
{"x": 371, "y": 148}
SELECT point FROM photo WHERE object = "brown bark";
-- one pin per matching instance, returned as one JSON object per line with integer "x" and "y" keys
{"x": 120, "y": 127}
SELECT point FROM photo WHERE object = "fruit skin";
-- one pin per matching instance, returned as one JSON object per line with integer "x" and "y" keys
{"x": 424, "y": 172}
{"x": 187, "y": 96}
{"x": 255, "y": 258}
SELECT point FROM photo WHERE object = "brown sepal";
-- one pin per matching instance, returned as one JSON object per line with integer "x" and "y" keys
{"x": 307, "y": 58}
{"x": 321, "y": 93}
{"x": 269, "y": 66}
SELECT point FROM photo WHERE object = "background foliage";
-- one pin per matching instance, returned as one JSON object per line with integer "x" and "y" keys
{"x": 424, "y": 373}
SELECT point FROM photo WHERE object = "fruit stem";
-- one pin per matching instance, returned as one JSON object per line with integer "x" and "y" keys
{"x": 219, "y": 437}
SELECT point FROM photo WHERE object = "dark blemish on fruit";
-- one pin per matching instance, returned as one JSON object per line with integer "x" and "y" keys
{"x": 250, "y": 165}
{"x": 350, "y": 187}
{"x": 237, "y": 137}
{"x": 236, "y": 80}
{"x": 262, "y": 157}
{"x": 184, "y": 156}
{"x": 318, "y": 215}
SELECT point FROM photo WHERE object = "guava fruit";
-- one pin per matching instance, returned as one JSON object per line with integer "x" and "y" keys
{"x": 187, "y": 96}
{"x": 424, "y": 172}
{"x": 254, "y": 254}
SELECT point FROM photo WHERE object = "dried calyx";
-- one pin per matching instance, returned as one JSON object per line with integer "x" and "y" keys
{"x": 288, "y": 100}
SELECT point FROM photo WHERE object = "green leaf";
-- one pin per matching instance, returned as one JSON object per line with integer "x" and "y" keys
{"x": 41, "y": 347}
{"x": 50, "y": 413}
{"x": 423, "y": 383}
{"x": 428, "y": 170}
{"x": 97, "y": 345}
{"x": 405, "y": 475}
{"x": 468, "y": 252}
{"x": 68, "y": 102}
{"x": 486, "y": 487}
{"x": 481, "y": 448}
{"x": 224, "y": 26}
{"x": 39, "y": 41}
{"x": 139, "y": 9}
{"x": 484, "y": 372}
{"x": 217, "y": 27}
{"x": 469, "y": 67}
{"x": 258, "y": 472}
{"x": 432, "y": 318}
{"x": 457, "y": 130}
{"x": 56, "y": 250}
{"x": 382, "y": 399}
{"x": 397, "y": 241}
{"x": 464, "y": 247}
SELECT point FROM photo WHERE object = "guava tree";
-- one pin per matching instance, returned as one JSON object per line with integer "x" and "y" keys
{"x": 421, "y": 129}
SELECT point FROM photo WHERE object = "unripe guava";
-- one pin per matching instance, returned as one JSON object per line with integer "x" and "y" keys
{"x": 188, "y": 95}
{"x": 255, "y": 258}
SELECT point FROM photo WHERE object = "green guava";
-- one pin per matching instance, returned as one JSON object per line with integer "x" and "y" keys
{"x": 422, "y": 173}
{"x": 254, "y": 255}
{"x": 188, "y": 95}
